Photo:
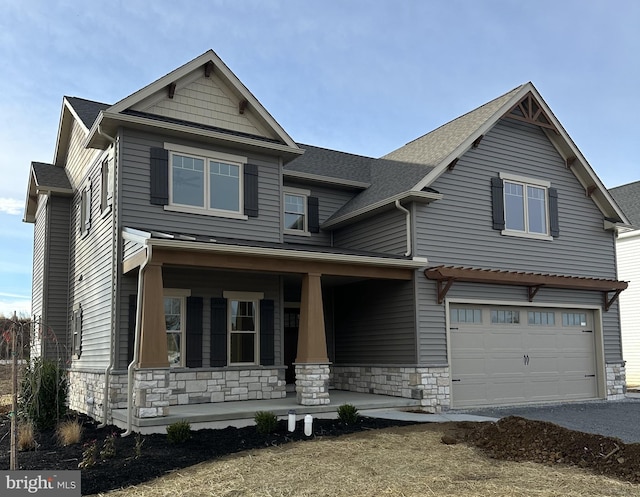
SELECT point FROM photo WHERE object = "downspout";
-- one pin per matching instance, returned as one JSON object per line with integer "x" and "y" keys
{"x": 408, "y": 228}
{"x": 136, "y": 341}
{"x": 114, "y": 262}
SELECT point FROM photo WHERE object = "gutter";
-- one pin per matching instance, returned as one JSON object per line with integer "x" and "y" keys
{"x": 408, "y": 226}
{"x": 136, "y": 342}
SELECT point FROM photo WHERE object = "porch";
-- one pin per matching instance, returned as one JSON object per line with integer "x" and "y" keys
{"x": 241, "y": 413}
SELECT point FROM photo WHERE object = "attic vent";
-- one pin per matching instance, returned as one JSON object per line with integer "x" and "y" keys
{"x": 208, "y": 69}
{"x": 529, "y": 111}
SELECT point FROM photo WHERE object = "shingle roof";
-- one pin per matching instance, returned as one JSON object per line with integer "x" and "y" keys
{"x": 87, "y": 110}
{"x": 431, "y": 149}
{"x": 50, "y": 176}
{"x": 326, "y": 162}
{"x": 628, "y": 198}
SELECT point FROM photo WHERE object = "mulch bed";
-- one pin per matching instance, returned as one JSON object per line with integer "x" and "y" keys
{"x": 512, "y": 438}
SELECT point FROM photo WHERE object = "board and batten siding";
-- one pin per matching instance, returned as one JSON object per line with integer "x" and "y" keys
{"x": 90, "y": 275}
{"x": 37, "y": 277}
{"x": 384, "y": 233}
{"x": 457, "y": 230}
{"x": 329, "y": 201}
{"x": 138, "y": 212}
{"x": 375, "y": 323}
{"x": 206, "y": 284}
{"x": 628, "y": 251}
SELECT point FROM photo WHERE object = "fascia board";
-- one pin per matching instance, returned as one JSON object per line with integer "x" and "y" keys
{"x": 189, "y": 130}
{"x": 410, "y": 195}
{"x": 289, "y": 254}
{"x": 436, "y": 172}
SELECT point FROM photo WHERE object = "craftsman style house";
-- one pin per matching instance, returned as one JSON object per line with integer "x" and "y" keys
{"x": 188, "y": 250}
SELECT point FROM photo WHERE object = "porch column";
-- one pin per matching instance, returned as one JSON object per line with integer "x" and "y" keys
{"x": 312, "y": 361}
{"x": 153, "y": 333}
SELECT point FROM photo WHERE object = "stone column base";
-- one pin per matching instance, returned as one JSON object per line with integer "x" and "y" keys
{"x": 312, "y": 384}
{"x": 616, "y": 381}
{"x": 151, "y": 393}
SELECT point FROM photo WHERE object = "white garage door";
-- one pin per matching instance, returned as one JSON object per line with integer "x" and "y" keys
{"x": 513, "y": 355}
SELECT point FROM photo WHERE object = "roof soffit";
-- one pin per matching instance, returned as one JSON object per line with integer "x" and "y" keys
{"x": 188, "y": 74}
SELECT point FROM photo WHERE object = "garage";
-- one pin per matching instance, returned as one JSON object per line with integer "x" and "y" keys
{"x": 503, "y": 355}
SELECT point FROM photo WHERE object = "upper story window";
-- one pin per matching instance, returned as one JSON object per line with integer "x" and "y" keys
{"x": 525, "y": 207}
{"x": 192, "y": 180}
{"x": 205, "y": 183}
{"x": 296, "y": 217}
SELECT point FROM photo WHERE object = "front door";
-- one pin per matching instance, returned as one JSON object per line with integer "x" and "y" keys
{"x": 291, "y": 324}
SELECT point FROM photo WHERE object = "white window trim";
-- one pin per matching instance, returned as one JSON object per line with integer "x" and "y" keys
{"x": 206, "y": 156}
{"x": 182, "y": 294}
{"x": 255, "y": 297}
{"x": 302, "y": 193}
{"x": 527, "y": 181}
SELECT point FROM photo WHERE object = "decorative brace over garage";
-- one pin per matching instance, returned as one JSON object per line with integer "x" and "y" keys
{"x": 445, "y": 276}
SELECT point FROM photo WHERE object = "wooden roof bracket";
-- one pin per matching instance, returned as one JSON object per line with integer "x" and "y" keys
{"x": 452, "y": 164}
{"x": 608, "y": 302}
{"x": 533, "y": 290}
{"x": 442, "y": 292}
{"x": 569, "y": 161}
{"x": 590, "y": 190}
{"x": 477, "y": 141}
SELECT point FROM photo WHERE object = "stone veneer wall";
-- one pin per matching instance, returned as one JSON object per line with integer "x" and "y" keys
{"x": 429, "y": 385}
{"x": 616, "y": 381}
{"x": 156, "y": 390}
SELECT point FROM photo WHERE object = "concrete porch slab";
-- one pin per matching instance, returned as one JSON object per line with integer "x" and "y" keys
{"x": 241, "y": 413}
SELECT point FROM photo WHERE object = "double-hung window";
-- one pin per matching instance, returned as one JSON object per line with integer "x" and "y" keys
{"x": 175, "y": 322}
{"x": 295, "y": 211}
{"x": 243, "y": 327}
{"x": 526, "y": 206}
{"x": 205, "y": 182}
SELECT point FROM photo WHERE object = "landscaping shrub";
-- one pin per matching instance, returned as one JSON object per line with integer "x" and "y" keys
{"x": 266, "y": 422}
{"x": 69, "y": 432}
{"x": 44, "y": 393}
{"x": 179, "y": 432}
{"x": 26, "y": 435}
{"x": 348, "y": 414}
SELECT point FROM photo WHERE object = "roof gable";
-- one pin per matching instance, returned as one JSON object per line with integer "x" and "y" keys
{"x": 628, "y": 198}
{"x": 44, "y": 179}
{"x": 204, "y": 92}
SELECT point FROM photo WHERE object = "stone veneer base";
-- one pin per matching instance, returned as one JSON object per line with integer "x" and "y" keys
{"x": 312, "y": 384}
{"x": 616, "y": 381}
{"x": 429, "y": 385}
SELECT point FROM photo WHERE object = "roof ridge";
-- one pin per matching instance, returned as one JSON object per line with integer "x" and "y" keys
{"x": 303, "y": 145}
{"x": 86, "y": 100}
{"x": 624, "y": 186}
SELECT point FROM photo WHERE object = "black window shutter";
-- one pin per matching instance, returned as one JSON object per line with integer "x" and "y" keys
{"x": 554, "y": 221}
{"x": 218, "y": 332}
{"x": 251, "y": 190}
{"x": 497, "y": 197}
{"x": 159, "y": 171}
{"x": 314, "y": 215}
{"x": 194, "y": 332}
{"x": 267, "y": 316}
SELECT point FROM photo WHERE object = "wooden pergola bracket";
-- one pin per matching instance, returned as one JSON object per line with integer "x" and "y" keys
{"x": 608, "y": 302}
{"x": 442, "y": 291}
{"x": 532, "y": 291}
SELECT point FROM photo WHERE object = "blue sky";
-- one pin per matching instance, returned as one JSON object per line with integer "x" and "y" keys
{"x": 363, "y": 76}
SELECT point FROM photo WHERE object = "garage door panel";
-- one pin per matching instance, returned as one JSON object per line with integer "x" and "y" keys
{"x": 511, "y": 363}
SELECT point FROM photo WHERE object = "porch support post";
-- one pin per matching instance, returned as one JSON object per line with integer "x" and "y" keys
{"x": 312, "y": 361}
{"x": 153, "y": 335}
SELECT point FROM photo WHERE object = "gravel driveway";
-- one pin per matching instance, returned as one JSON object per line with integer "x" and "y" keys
{"x": 613, "y": 419}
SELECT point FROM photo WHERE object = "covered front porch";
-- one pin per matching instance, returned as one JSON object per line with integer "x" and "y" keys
{"x": 241, "y": 413}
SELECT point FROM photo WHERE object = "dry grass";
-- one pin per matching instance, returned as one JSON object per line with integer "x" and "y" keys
{"x": 408, "y": 461}
{"x": 26, "y": 436}
{"x": 69, "y": 432}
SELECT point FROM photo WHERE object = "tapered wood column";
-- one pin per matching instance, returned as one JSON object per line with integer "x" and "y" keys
{"x": 312, "y": 341}
{"x": 153, "y": 338}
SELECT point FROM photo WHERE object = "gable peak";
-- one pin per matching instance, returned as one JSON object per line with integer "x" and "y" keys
{"x": 529, "y": 110}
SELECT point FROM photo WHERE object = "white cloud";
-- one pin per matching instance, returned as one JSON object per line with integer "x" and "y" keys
{"x": 11, "y": 206}
{"x": 9, "y": 306}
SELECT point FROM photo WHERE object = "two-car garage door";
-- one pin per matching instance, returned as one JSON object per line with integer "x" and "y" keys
{"x": 510, "y": 355}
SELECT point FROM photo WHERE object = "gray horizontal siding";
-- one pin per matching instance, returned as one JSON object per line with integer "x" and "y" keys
{"x": 138, "y": 212}
{"x": 39, "y": 247}
{"x": 329, "y": 201}
{"x": 90, "y": 276}
{"x": 457, "y": 230}
{"x": 375, "y": 323}
{"x": 386, "y": 233}
{"x": 205, "y": 284}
